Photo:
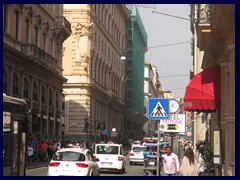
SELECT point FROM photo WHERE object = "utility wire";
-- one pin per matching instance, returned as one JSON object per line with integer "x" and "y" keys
{"x": 163, "y": 45}
{"x": 173, "y": 44}
{"x": 172, "y": 16}
{"x": 173, "y": 76}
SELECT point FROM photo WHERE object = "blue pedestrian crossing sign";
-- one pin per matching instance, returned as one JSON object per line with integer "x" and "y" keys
{"x": 158, "y": 108}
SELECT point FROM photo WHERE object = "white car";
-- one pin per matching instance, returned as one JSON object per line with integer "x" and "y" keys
{"x": 136, "y": 154}
{"x": 112, "y": 157}
{"x": 73, "y": 162}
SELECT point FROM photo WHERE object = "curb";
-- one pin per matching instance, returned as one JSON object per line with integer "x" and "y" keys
{"x": 34, "y": 166}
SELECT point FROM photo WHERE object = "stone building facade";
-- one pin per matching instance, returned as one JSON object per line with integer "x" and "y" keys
{"x": 94, "y": 92}
{"x": 32, "y": 62}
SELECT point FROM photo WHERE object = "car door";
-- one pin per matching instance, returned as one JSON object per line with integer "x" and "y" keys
{"x": 123, "y": 153}
{"x": 92, "y": 161}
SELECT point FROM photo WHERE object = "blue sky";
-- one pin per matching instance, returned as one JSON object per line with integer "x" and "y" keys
{"x": 174, "y": 60}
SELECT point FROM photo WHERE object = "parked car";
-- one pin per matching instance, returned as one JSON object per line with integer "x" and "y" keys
{"x": 136, "y": 154}
{"x": 73, "y": 162}
{"x": 112, "y": 157}
{"x": 136, "y": 143}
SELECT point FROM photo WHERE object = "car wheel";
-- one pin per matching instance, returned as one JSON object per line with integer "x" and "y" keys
{"x": 130, "y": 163}
{"x": 121, "y": 171}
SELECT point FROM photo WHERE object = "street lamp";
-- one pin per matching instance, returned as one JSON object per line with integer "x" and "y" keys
{"x": 123, "y": 57}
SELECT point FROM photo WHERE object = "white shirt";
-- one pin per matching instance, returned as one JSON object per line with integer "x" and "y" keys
{"x": 170, "y": 163}
{"x": 30, "y": 151}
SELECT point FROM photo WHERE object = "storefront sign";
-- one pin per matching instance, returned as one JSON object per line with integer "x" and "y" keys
{"x": 176, "y": 123}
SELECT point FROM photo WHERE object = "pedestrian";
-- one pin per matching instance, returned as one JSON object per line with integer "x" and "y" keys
{"x": 30, "y": 154}
{"x": 170, "y": 162}
{"x": 189, "y": 165}
{"x": 145, "y": 156}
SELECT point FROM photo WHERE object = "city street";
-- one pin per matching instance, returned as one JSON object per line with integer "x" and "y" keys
{"x": 131, "y": 170}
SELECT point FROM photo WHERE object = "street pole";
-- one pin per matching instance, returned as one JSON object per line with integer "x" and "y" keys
{"x": 172, "y": 139}
{"x": 158, "y": 155}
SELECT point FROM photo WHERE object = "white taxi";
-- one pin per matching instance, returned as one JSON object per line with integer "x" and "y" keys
{"x": 136, "y": 154}
{"x": 112, "y": 157}
{"x": 73, "y": 162}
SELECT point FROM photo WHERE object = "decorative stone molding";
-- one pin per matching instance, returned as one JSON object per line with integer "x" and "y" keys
{"x": 52, "y": 33}
{"x": 45, "y": 26}
{"x": 37, "y": 19}
{"x": 27, "y": 11}
{"x": 206, "y": 12}
{"x": 18, "y": 7}
{"x": 80, "y": 29}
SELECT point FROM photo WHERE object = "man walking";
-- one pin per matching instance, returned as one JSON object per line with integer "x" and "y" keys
{"x": 170, "y": 162}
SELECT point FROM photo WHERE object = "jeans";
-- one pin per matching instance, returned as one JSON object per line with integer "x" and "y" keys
{"x": 170, "y": 174}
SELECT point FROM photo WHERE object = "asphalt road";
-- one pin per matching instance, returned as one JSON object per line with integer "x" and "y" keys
{"x": 131, "y": 170}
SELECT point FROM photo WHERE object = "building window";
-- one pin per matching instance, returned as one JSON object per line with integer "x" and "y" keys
{"x": 35, "y": 90}
{"x": 27, "y": 35}
{"x": 17, "y": 24}
{"x": 36, "y": 36}
{"x": 44, "y": 41}
{"x": 43, "y": 99}
{"x": 6, "y": 17}
{"x": 5, "y": 80}
{"x": 50, "y": 97}
{"x": 57, "y": 100}
{"x": 26, "y": 88}
{"x": 15, "y": 85}
{"x": 51, "y": 50}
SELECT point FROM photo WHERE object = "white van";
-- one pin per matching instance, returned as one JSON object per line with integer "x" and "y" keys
{"x": 112, "y": 157}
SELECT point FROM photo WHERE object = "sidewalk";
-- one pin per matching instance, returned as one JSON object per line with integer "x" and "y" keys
{"x": 37, "y": 164}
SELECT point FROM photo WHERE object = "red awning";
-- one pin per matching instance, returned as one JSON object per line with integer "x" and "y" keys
{"x": 204, "y": 91}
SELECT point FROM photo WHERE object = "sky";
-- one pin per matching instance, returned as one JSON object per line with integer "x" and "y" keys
{"x": 173, "y": 62}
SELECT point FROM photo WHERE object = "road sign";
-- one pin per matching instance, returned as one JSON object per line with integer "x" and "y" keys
{"x": 158, "y": 108}
{"x": 176, "y": 123}
{"x": 104, "y": 131}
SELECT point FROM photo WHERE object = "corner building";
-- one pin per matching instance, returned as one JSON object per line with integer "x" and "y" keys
{"x": 94, "y": 92}
{"x": 32, "y": 62}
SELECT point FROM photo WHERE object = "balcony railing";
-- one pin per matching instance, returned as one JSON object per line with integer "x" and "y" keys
{"x": 33, "y": 51}
{"x": 62, "y": 23}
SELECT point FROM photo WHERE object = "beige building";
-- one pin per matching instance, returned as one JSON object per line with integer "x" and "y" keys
{"x": 152, "y": 88}
{"x": 94, "y": 91}
{"x": 32, "y": 46}
{"x": 214, "y": 48}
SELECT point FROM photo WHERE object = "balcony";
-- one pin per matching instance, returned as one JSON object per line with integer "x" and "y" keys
{"x": 204, "y": 28}
{"x": 64, "y": 26}
{"x": 111, "y": 93}
{"x": 40, "y": 56}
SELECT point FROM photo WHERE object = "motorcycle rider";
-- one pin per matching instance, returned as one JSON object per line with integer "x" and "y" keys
{"x": 145, "y": 156}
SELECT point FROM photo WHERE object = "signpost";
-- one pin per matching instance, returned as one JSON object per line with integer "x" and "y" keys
{"x": 158, "y": 109}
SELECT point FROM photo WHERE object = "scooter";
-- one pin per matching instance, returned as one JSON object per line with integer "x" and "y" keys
{"x": 151, "y": 168}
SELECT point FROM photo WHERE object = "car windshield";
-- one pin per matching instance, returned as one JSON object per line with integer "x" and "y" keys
{"x": 68, "y": 156}
{"x": 139, "y": 149}
{"x": 103, "y": 149}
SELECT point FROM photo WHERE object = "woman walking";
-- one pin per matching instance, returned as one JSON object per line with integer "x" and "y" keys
{"x": 189, "y": 164}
